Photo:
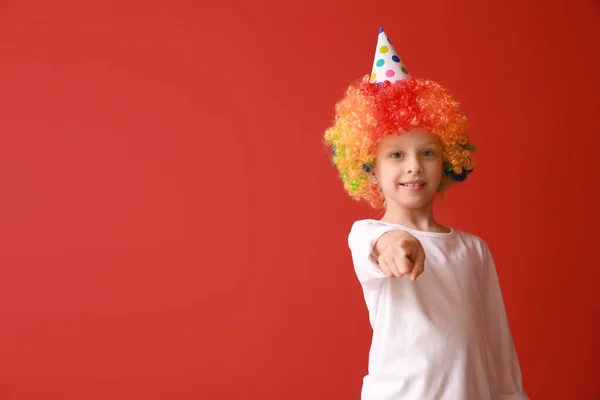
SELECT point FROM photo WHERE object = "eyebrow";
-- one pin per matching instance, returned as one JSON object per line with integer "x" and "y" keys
{"x": 426, "y": 144}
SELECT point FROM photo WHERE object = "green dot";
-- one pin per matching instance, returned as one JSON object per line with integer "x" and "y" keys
{"x": 448, "y": 167}
{"x": 380, "y": 62}
{"x": 345, "y": 176}
{"x": 354, "y": 185}
{"x": 404, "y": 70}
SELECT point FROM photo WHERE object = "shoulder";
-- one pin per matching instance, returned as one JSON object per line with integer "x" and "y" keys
{"x": 472, "y": 239}
{"x": 469, "y": 236}
{"x": 474, "y": 243}
{"x": 366, "y": 231}
{"x": 364, "y": 224}
{"x": 371, "y": 226}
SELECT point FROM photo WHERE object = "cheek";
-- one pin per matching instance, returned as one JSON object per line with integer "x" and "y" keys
{"x": 391, "y": 174}
{"x": 436, "y": 169}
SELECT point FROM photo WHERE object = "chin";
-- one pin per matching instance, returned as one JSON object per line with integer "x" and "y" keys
{"x": 414, "y": 206}
{"x": 413, "y": 202}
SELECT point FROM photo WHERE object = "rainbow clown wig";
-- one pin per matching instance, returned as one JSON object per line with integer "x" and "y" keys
{"x": 391, "y": 102}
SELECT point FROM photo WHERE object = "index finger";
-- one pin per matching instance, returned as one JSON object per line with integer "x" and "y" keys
{"x": 419, "y": 263}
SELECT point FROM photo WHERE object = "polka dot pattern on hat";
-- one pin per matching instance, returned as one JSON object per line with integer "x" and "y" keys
{"x": 387, "y": 66}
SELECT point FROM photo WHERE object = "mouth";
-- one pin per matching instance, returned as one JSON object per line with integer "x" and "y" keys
{"x": 413, "y": 186}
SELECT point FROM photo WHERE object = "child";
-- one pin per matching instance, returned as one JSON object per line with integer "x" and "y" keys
{"x": 440, "y": 330}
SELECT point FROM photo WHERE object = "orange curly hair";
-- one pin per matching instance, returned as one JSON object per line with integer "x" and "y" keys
{"x": 370, "y": 111}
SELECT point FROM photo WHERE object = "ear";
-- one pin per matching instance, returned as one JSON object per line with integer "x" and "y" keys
{"x": 373, "y": 178}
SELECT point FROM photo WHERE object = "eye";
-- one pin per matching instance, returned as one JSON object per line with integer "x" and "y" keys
{"x": 396, "y": 154}
{"x": 428, "y": 153}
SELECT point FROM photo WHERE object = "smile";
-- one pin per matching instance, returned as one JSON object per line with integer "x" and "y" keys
{"x": 412, "y": 184}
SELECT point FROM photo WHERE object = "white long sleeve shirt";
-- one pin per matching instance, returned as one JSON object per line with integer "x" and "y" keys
{"x": 443, "y": 337}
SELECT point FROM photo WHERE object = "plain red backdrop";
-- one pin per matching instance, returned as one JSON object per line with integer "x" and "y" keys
{"x": 171, "y": 226}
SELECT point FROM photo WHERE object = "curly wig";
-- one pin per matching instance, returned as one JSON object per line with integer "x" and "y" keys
{"x": 369, "y": 111}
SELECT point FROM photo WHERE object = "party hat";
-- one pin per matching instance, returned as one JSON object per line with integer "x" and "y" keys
{"x": 387, "y": 66}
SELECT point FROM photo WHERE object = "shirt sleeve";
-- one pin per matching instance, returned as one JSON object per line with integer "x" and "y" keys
{"x": 503, "y": 348}
{"x": 362, "y": 239}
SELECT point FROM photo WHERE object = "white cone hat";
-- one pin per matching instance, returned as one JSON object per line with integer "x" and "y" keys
{"x": 387, "y": 66}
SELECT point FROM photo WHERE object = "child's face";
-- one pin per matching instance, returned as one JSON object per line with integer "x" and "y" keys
{"x": 408, "y": 168}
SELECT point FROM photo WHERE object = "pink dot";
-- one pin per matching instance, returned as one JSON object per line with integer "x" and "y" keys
{"x": 389, "y": 73}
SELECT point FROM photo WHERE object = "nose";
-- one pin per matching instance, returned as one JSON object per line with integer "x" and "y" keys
{"x": 413, "y": 165}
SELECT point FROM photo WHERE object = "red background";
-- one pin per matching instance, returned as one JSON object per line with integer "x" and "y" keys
{"x": 171, "y": 226}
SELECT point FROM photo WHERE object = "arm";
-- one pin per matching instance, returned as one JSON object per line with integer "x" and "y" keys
{"x": 388, "y": 239}
{"x": 400, "y": 253}
{"x": 501, "y": 341}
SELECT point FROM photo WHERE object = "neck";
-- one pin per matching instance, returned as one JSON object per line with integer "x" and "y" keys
{"x": 420, "y": 219}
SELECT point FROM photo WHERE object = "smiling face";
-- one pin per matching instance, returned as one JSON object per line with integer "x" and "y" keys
{"x": 408, "y": 168}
